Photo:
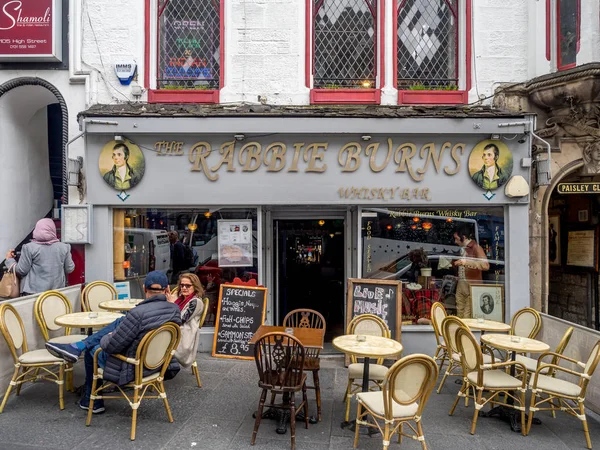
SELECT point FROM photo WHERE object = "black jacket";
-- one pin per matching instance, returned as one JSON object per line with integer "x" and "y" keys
{"x": 147, "y": 316}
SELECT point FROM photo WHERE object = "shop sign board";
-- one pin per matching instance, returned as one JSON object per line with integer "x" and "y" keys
{"x": 579, "y": 188}
{"x": 31, "y": 30}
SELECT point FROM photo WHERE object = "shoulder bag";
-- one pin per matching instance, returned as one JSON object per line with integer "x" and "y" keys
{"x": 9, "y": 285}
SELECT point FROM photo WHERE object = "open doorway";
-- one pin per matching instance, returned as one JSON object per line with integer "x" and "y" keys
{"x": 309, "y": 269}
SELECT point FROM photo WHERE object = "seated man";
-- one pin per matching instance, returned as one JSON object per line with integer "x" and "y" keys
{"x": 121, "y": 337}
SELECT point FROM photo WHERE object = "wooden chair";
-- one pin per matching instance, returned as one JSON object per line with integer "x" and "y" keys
{"x": 48, "y": 307}
{"x": 563, "y": 395}
{"x": 368, "y": 324}
{"x": 406, "y": 389}
{"x": 280, "y": 360}
{"x": 95, "y": 293}
{"x": 309, "y": 318}
{"x": 489, "y": 378}
{"x": 438, "y": 314}
{"x": 28, "y": 364}
{"x": 153, "y": 354}
{"x": 449, "y": 327}
{"x": 202, "y": 319}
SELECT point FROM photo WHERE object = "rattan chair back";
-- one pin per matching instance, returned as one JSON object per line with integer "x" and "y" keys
{"x": 560, "y": 349}
{"x": 156, "y": 350}
{"x": 368, "y": 324}
{"x": 409, "y": 380}
{"x": 590, "y": 367}
{"x": 449, "y": 326}
{"x": 526, "y": 322}
{"x": 438, "y": 314}
{"x": 280, "y": 361}
{"x": 469, "y": 350}
{"x": 95, "y": 293}
{"x": 204, "y": 312}
{"x": 48, "y": 306}
{"x": 13, "y": 331}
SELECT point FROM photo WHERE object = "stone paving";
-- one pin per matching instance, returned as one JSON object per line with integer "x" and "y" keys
{"x": 219, "y": 417}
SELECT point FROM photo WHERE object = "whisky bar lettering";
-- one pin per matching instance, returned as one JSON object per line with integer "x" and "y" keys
{"x": 309, "y": 157}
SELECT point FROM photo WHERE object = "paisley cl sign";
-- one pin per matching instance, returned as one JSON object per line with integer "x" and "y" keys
{"x": 30, "y": 30}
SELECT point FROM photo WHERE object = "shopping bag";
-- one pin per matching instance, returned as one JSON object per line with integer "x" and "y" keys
{"x": 9, "y": 285}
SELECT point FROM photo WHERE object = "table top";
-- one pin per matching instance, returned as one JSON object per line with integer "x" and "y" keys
{"x": 487, "y": 325}
{"x": 83, "y": 320}
{"x": 372, "y": 346}
{"x": 504, "y": 342}
{"x": 120, "y": 305}
{"x": 309, "y": 337}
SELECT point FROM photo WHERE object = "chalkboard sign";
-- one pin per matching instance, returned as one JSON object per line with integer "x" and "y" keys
{"x": 379, "y": 297}
{"x": 241, "y": 311}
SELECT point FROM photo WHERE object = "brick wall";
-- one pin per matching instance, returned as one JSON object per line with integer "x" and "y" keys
{"x": 569, "y": 296}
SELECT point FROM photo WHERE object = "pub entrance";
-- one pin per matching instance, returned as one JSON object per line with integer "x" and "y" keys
{"x": 308, "y": 263}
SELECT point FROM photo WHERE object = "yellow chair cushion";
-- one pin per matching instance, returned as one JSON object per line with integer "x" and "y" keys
{"x": 374, "y": 401}
{"x": 555, "y": 385}
{"x": 376, "y": 371}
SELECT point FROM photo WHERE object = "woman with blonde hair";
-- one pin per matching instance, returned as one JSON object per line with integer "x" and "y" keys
{"x": 188, "y": 297}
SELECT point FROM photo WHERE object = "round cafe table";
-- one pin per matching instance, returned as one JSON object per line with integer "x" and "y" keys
{"x": 371, "y": 347}
{"x": 486, "y": 325}
{"x": 120, "y": 305}
{"x": 83, "y": 320}
{"x": 513, "y": 345}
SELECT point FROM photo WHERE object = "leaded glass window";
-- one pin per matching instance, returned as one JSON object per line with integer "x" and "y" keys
{"x": 189, "y": 44}
{"x": 345, "y": 42}
{"x": 427, "y": 36}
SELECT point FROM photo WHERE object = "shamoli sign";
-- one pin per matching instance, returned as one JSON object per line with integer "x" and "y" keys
{"x": 231, "y": 156}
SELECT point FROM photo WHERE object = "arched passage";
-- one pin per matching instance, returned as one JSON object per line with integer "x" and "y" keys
{"x": 32, "y": 112}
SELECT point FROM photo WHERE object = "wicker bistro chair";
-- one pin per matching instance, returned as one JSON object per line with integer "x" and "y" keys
{"x": 202, "y": 319}
{"x": 48, "y": 307}
{"x": 488, "y": 377}
{"x": 526, "y": 322}
{"x": 28, "y": 364}
{"x": 406, "y": 389}
{"x": 153, "y": 355}
{"x": 438, "y": 314}
{"x": 280, "y": 361}
{"x": 95, "y": 293}
{"x": 309, "y": 318}
{"x": 562, "y": 395}
{"x": 368, "y": 324}
{"x": 532, "y": 364}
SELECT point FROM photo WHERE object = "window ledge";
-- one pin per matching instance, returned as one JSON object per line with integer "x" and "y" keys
{"x": 183, "y": 96}
{"x": 345, "y": 96}
{"x": 432, "y": 97}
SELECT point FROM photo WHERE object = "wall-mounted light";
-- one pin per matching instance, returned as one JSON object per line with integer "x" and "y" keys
{"x": 321, "y": 222}
{"x": 365, "y": 137}
{"x": 495, "y": 137}
{"x": 239, "y": 137}
{"x": 118, "y": 138}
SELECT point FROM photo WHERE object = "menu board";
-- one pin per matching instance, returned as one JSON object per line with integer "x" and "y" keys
{"x": 76, "y": 220}
{"x": 235, "y": 243}
{"x": 581, "y": 248}
{"x": 241, "y": 311}
{"x": 378, "y": 297}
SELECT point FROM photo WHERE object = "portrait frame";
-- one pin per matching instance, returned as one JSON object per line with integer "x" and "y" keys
{"x": 135, "y": 163}
{"x": 481, "y": 292}
{"x": 504, "y": 162}
{"x": 554, "y": 224}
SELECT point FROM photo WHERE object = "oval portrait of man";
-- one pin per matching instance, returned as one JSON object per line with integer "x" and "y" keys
{"x": 122, "y": 164}
{"x": 486, "y": 303}
{"x": 490, "y": 164}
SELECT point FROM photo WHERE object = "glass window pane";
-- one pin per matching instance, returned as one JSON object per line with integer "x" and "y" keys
{"x": 392, "y": 240}
{"x": 427, "y": 37}
{"x": 141, "y": 244}
{"x": 344, "y": 47}
{"x": 568, "y": 11}
{"x": 189, "y": 44}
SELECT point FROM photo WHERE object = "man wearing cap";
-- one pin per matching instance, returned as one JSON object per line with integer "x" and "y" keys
{"x": 121, "y": 337}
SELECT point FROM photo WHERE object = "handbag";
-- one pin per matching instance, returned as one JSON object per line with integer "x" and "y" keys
{"x": 10, "y": 284}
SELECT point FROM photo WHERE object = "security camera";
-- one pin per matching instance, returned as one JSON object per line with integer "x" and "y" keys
{"x": 522, "y": 139}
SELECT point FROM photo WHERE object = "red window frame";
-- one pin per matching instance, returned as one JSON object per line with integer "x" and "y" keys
{"x": 406, "y": 97}
{"x": 180, "y": 96}
{"x": 359, "y": 96}
{"x": 559, "y": 65}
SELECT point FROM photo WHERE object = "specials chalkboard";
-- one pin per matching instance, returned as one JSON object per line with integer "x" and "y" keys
{"x": 379, "y": 297}
{"x": 241, "y": 311}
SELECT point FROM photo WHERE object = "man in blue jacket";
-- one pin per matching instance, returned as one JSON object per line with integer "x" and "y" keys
{"x": 121, "y": 337}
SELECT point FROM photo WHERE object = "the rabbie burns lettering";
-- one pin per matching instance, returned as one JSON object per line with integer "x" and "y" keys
{"x": 309, "y": 157}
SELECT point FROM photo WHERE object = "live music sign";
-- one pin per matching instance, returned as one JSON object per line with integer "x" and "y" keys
{"x": 31, "y": 30}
